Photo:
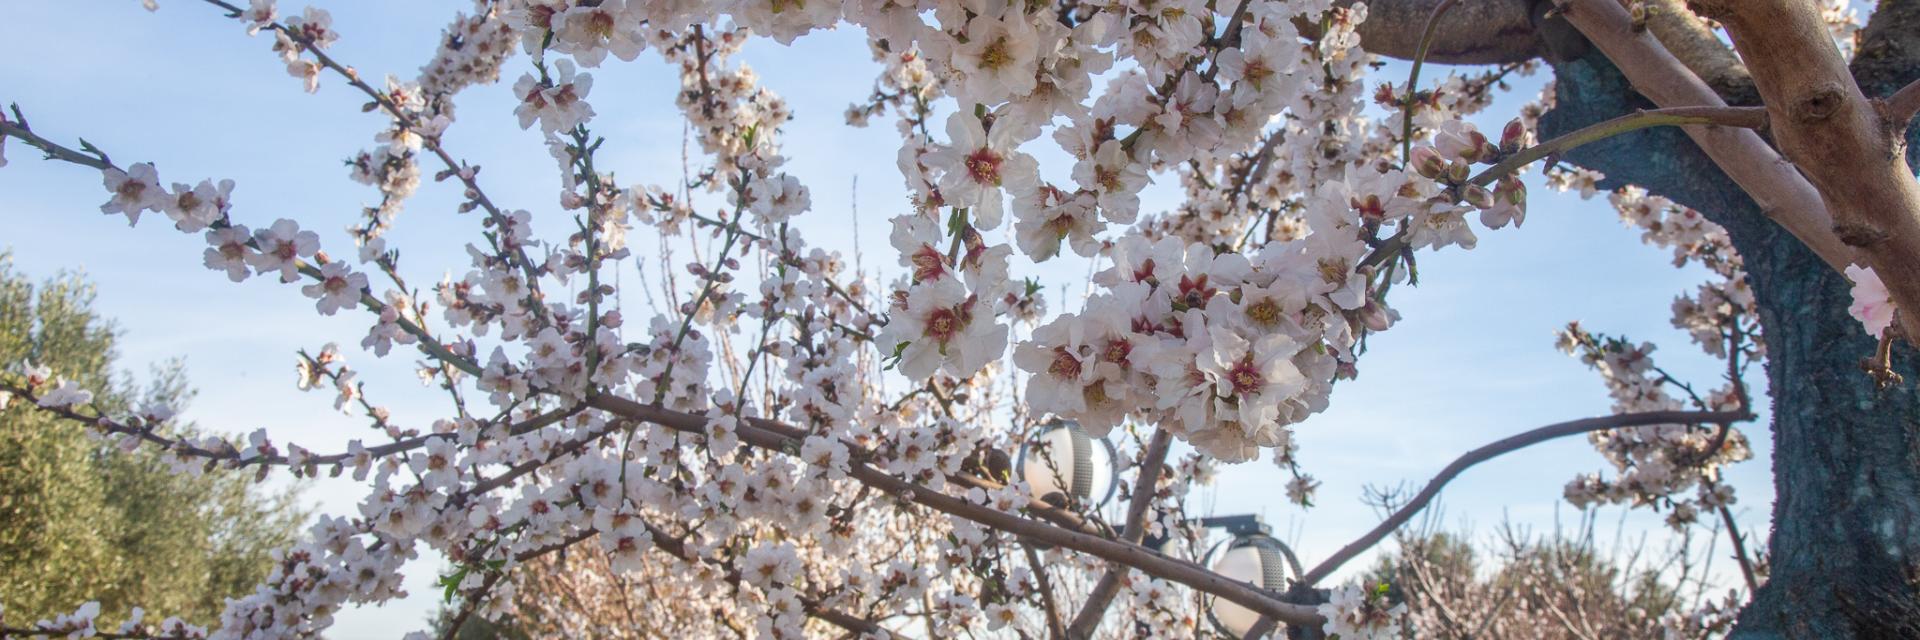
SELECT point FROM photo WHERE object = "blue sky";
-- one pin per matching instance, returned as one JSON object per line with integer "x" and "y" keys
{"x": 1472, "y": 361}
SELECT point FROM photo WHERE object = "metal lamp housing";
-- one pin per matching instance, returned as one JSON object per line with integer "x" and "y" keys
{"x": 1254, "y": 558}
{"x": 1062, "y": 458}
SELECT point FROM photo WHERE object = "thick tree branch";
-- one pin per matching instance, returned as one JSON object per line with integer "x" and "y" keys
{"x": 1479, "y": 32}
{"x": 1786, "y": 196}
{"x": 1144, "y": 490}
{"x": 1509, "y": 444}
{"x": 1696, "y": 46}
{"x": 1849, "y": 147}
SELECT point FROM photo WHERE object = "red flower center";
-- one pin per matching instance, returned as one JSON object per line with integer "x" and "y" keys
{"x": 942, "y": 324}
{"x": 983, "y": 165}
{"x": 1064, "y": 364}
{"x": 1195, "y": 292}
{"x": 1117, "y": 352}
{"x": 928, "y": 264}
{"x": 1245, "y": 379}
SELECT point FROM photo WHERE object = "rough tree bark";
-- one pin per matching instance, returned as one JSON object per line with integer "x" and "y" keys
{"x": 1846, "y": 520}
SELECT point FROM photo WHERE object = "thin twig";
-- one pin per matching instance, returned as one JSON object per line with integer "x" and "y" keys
{"x": 1144, "y": 489}
{"x": 1506, "y": 445}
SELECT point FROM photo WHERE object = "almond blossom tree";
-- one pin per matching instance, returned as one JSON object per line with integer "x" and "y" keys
{"x": 736, "y": 451}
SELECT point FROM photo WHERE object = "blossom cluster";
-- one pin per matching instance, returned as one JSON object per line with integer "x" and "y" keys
{"x": 1658, "y": 464}
{"x": 84, "y": 623}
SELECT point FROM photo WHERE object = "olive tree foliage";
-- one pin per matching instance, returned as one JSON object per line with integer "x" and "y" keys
{"x": 88, "y": 521}
{"x": 729, "y": 448}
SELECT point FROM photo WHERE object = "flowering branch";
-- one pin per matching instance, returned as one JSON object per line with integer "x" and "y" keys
{"x": 765, "y": 434}
{"x": 776, "y": 437}
{"x": 1739, "y": 117}
{"x": 1222, "y": 349}
{"x": 234, "y": 458}
{"x": 430, "y": 139}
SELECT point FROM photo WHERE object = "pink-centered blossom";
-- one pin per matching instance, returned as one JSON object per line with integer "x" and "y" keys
{"x": 1872, "y": 305}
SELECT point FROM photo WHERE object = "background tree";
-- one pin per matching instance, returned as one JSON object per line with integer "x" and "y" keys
{"x": 86, "y": 521}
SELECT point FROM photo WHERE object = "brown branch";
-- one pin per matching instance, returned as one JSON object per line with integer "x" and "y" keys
{"x": 774, "y": 436}
{"x": 1045, "y": 584}
{"x": 54, "y": 151}
{"x": 1903, "y": 105}
{"x": 478, "y": 594}
{"x": 1776, "y": 186}
{"x": 1848, "y": 147}
{"x": 1481, "y": 32}
{"x": 1144, "y": 490}
{"x": 1700, "y": 49}
{"x": 467, "y": 175}
{"x": 1420, "y": 53}
{"x": 1741, "y": 117}
{"x": 1509, "y": 444}
{"x": 1740, "y": 551}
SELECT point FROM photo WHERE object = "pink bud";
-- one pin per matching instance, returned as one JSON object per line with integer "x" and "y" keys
{"x": 1377, "y": 317}
{"x": 1477, "y": 196}
{"x": 1515, "y": 135}
{"x": 1476, "y": 148}
{"x": 1512, "y": 191}
{"x": 1428, "y": 162}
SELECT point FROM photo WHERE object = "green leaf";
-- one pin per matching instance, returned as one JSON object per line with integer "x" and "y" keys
{"x": 450, "y": 584}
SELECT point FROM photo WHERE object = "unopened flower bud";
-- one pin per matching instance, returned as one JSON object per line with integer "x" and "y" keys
{"x": 1511, "y": 191}
{"x": 1477, "y": 196}
{"x": 1377, "y": 317}
{"x": 1477, "y": 148}
{"x": 1428, "y": 163}
{"x": 1514, "y": 136}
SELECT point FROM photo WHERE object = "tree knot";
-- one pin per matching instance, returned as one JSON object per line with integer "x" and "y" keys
{"x": 1818, "y": 104}
{"x": 1859, "y": 234}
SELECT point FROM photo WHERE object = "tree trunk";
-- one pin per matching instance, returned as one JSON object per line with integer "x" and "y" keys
{"x": 1845, "y": 540}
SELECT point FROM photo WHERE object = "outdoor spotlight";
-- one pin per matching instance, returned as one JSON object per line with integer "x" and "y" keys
{"x": 1063, "y": 464}
{"x": 1252, "y": 556}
